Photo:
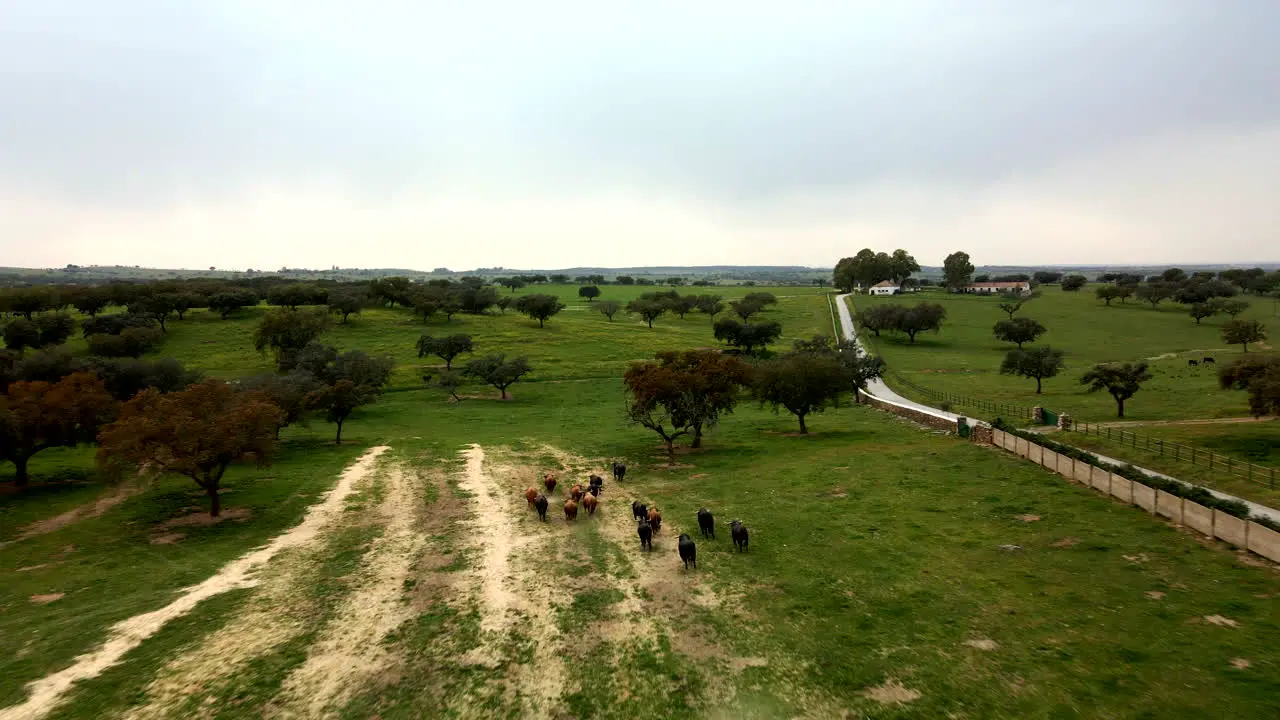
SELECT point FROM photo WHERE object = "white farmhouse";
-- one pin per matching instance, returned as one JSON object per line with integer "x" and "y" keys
{"x": 994, "y": 288}
{"x": 885, "y": 287}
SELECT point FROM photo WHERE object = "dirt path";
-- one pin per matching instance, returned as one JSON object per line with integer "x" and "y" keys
{"x": 514, "y": 598}
{"x": 104, "y": 502}
{"x": 48, "y": 692}
{"x": 350, "y": 649}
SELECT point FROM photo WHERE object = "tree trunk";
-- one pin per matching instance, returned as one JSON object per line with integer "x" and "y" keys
{"x": 1037, "y": 386}
{"x": 337, "y": 440}
{"x": 503, "y": 390}
{"x": 671, "y": 449}
{"x": 650, "y": 324}
{"x": 697, "y": 437}
{"x": 803, "y": 430}
{"x": 20, "y": 477}
{"x": 857, "y": 395}
{"x": 1119, "y": 407}
{"x": 215, "y": 501}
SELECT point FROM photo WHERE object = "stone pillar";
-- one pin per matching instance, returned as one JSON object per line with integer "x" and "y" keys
{"x": 1037, "y": 414}
{"x": 1064, "y": 421}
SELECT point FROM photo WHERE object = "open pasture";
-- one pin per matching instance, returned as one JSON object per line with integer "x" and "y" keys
{"x": 964, "y": 358}
{"x": 892, "y": 571}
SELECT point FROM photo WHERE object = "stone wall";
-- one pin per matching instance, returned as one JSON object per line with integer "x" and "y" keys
{"x": 924, "y": 418}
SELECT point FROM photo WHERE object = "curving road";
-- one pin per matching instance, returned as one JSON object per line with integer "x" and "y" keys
{"x": 878, "y": 388}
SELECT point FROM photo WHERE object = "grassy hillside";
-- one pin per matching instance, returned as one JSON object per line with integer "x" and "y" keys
{"x": 893, "y": 571}
{"x": 964, "y": 357}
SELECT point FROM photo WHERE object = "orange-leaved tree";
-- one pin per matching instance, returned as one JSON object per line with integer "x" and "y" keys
{"x": 684, "y": 392}
{"x": 197, "y": 433}
{"x": 35, "y": 416}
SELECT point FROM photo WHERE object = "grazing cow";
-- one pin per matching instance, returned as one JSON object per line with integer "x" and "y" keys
{"x": 540, "y": 504}
{"x": 531, "y": 494}
{"x": 575, "y": 492}
{"x": 707, "y": 523}
{"x": 550, "y": 483}
{"x": 739, "y": 533}
{"x": 1208, "y": 360}
{"x": 688, "y": 552}
{"x": 639, "y": 511}
{"x": 596, "y": 485}
{"x": 589, "y": 502}
{"x": 655, "y": 519}
{"x": 619, "y": 471}
{"x": 594, "y": 490}
{"x": 646, "y": 535}
{"x": 570, "y": 510}
{"x": 1192, "y": 363}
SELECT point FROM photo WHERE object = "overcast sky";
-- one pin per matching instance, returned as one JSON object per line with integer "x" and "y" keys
{"x": 558, "y": 133}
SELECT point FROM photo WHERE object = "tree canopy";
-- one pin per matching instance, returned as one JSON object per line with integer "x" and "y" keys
{"x": 539, "y": 307}
{"x": 35, "y": 416}
{"x": 649, "y": 309}
{"x": 1018, "y": 330}
{"x": 497, "y": 371}
{"x": 1243, "y": 332}
{"x": 957, "y": 271}
{"x": 1122, "y": 380}
{"x": 801, "y": 382}
{"x": 1260, "y": 377}
{"x": 749, "y": 338}
{"x": 683, "y": 392}
{"x": 1038, "y": 364}
{"x": 590, "y": 292}
{"x": 609, "y": 308}
{"x": 445, "y": 348}
{"x": 197, "y": 433}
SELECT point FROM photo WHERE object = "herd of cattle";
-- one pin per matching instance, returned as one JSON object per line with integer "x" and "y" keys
{"x": 648, "y": 520}
{"x": 1206, "y": 361}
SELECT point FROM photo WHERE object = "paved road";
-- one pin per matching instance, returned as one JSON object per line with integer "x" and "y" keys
{"x": 877, "y": 387}
{"x": 882, "y": 391}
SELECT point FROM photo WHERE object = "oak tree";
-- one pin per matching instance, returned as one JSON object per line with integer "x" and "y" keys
{"x": 539, "y": 307}
{"x": 197, "y": 433}
{"x": 1243, "y": 332}
{"x": 801, "y": 382}
{"x": 1260, "y": 377}
{"x": 1018, "y": 330}
{"x": 609, "y": 308}
{"x": 1122, "y": 380}
{"x": 497, "y": 371}
{"x": 445, "y": 348}
{"x": 1038, "y": 364}
{"x": 590, "y": 292}
{"x": 35, "y": 416}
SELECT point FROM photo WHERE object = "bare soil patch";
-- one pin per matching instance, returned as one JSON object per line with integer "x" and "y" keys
{"x": 891, "y": 692}
{"x": 47, "y": 693}
{"x": 1066, "y": 542}
{"x": 1154, "y": 595}
{"x": 46, "y": 598}
{"x": 103, "y": 503}
{"x": 1220, "y": 621}
{"x": 982, "y": 644}
{"x": 166, "y": 539}
{"x": 1240, "y": 663}
{"x": 1029, "y": 518}
{"x": 204, "y": 519}
{"x": 350, "y": 649}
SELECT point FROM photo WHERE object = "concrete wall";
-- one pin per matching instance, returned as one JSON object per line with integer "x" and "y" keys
{"x": 1121, "y": 487}
{"x": 1264, "y": 541}
{"x": 1231, "y": 528}
{"x": 1169, "y": 505}
{"x": 1144, "y": 497}
{"x": 1197, "y": 517}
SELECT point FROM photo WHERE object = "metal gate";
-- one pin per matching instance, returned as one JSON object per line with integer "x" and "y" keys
{"x": 1050, "y": 417}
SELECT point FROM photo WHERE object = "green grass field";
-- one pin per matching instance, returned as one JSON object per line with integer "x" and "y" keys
{"x": 875, "y": 584}
{"x": 964, "y": 358}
